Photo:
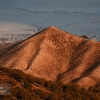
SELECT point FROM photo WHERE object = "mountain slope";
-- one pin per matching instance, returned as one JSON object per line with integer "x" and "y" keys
{"x": 26, "y": 87}
{"x": 56, "y": 55}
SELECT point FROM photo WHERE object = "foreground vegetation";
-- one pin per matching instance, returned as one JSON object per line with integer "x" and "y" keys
{"x": 27, "y": 87}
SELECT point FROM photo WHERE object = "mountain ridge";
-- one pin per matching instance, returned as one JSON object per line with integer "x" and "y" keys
{"x": 56, "y": 55}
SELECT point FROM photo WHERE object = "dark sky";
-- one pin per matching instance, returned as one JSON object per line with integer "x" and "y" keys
{"x": 52, "y": 4}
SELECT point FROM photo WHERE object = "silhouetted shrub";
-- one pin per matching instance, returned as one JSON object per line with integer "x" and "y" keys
{"x": 66, "y": 88}
{"x": 27, "y": 85}
{"x": 30, "y": 78}
{"x": 75, "y": 88}
{"x": 12, "y": 82}
{"x": 7, "y": 69}
{"x": 84, "y": 36}
{"x": 84, "y": 97}
{"x": 7, "y": 97}
{"x": 40, "y": 81}
{"x": 91, "y": 88}
{"x": 21, "y": 93}
{"x": 42, "y": 94}
{"x": 94, "y": 89}
{"x": 19, "y": 75}
{"x": 68, "y": 96}
{"x": 55, "y": 88}
{"x": 14, "y": 73}
{"x": 71, "y": 87}
{"x": 53, "y": 96}
{"x": 76, "y": 95}
{"x": 47, "y": 84}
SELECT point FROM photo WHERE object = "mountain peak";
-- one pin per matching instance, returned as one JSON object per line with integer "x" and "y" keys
{"x": 52, "y": 28}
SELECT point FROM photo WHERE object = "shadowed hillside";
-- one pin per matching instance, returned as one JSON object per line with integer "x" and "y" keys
{"x": 56, "y": 55}
{"x": 27, "y": 87}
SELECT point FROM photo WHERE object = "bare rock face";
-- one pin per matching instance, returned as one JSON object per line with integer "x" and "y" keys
{"x": 56, "y": 55}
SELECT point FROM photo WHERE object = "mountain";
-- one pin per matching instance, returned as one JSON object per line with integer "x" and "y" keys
{"x": 56, "y": 55}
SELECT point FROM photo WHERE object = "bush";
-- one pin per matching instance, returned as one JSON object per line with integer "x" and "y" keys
{"x": 54, "y": 96}
{"x": 71, "y": 87}
{"x": 7, "y": 69}
{"x": 68, "y": 96}
{"x": 30, "y": 79}
{"x": 21, "y": 93}
{"x": 42, "y": 94}
{"x": 14, "y": 73}
{"x": 19, "y": 75}
{"x": 94, "y": 89}
{"x": 12, "y": 82}
{"x": 27, "y": 85}
{"x": 84, "y": 36}
{"x": 33, "y": 80}
{"x": 40, "y": 81}
{"x": 7, "y": 97}
{"x": 47, "y": 84}
{"x": 56, "y": 88}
